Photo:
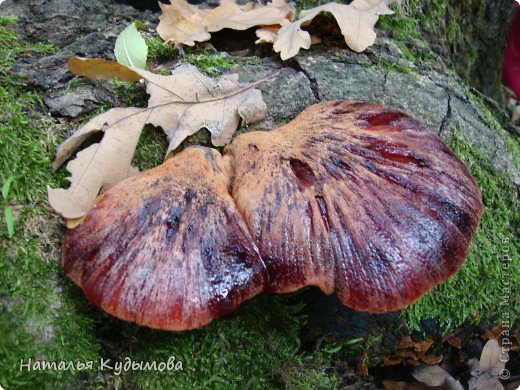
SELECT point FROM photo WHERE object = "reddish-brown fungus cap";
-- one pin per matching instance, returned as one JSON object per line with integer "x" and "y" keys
{"x": 355, "y": 198}
{"x": 167, "y": 248}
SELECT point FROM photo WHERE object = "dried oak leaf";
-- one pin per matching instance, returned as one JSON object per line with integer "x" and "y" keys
{"x": 355, "y": 198}
{"x": 181, "y": 104}
{"x": 356, "y": 21}
{"x": 187, "y": 101}
{"x": 436, "y": 376}
{"x": 485, "y": 373}
{"x": 185, "y": 24}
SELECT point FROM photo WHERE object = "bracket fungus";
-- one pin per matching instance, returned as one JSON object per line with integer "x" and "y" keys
{"x": 355, "y": 198}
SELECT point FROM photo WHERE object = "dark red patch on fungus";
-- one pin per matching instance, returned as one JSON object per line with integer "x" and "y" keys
{"x": 303, "y": 172}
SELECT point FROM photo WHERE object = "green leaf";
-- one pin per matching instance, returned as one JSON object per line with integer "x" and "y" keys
{"x": 353, "y": 341}
{"x": 9, "y": 220}
{"x": 6, "y": 187}
{"x": 140, "y": 25}
{"x": 131, "y": 49}
{"x": 332, "y": 350}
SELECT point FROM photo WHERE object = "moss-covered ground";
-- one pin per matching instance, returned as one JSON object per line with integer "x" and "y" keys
{"x": 44, "y": 316}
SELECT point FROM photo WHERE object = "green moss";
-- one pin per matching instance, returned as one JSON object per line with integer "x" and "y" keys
{"x": 401, "y": 26}
{"x": 210, "y": 63}
{"x": 395, "y": 67}
{"x": 468, "y": 35}
{"x": 257, "y": 347}
{"x": 130, "y": 94}
{"x": 490, "y": 115}
{"x": 159, "y": 51}
{"x": 477, "y": 292}
{"x": 151, "y": 148}
{"x": 7, "y": 21}
{"x": 35, "y": 313}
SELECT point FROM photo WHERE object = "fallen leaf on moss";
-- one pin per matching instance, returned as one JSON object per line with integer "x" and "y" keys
{"x": 432, "y": 359}
{"x": 99, "y": 69}
{"x": 181, "y": 104}
{"x": 411, "y": 353}
{"x": 454, "y": 341}
{"x": 131, "y": 49}
{"x": 356, "y": 21}
{"x": 101, "y": 164}
{"x": 188, "y": 101}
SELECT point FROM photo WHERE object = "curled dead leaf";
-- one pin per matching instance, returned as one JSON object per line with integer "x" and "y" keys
{"x": 355, "y": 20}
{"x": 185, "y": 24}
{"x": 100, "y": 69}
{"x": 181, "y": 104}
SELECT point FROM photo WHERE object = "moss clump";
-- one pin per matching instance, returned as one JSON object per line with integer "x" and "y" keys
{"x": 490, "y": 114}
{"x": 258, "y": 347}
{"x": 468, "y": 35}
{"x": 151, "y": 148}
{"x": 210, "y": 63}
{"x": 476, "y": 293}
{"x": 130, "y": 94}
{"x": 159, "y": 51}
{"x": 35, "y": 313}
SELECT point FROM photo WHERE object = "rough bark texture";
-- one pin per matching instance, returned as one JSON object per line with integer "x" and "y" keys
{"x": 470, "y": 36}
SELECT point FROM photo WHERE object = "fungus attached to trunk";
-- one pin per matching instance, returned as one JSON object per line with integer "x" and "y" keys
{"x": 355, "y": 198}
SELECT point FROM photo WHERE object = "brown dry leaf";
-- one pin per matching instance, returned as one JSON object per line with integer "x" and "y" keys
{"x": 229, "y": 15}
{"x": 356, "y": 21}
{"x": 392, "y": 361}
{"x": 98, "y": 69}
{"x": 181, "y": 23}
{"x": 185, "y": 24}
{"x": 267, "y": 34}
{"x": 485, "y": 373}
{"x": 101, "y": 164}
{"x": 431, "y": 375}
{"x": 407, "y": 353}
{"x": 493, "y": 333}
{"x": 423, "y": 346}
{"x": 406, "y": 342}
{"x": 181, "y": 104}
{"x": 362, "y": 368}
{"x": 187, "y": 101}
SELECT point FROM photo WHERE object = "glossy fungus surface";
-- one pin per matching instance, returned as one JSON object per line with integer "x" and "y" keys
{"x": 355, "y": 198}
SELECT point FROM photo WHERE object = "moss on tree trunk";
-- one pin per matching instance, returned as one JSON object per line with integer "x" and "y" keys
{"x": 469, "y": 35}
